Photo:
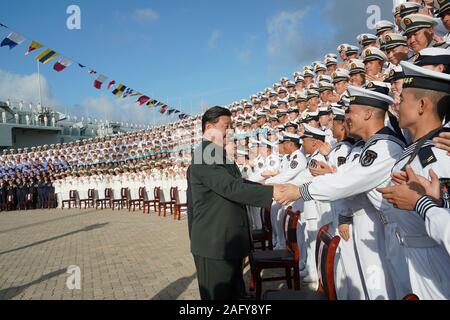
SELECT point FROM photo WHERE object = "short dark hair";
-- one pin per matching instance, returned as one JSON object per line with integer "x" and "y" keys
{"x": 212, "y": 116}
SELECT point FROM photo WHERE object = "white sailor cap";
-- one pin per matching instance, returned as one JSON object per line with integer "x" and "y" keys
{"x": 384, "y": 25}
{"x": 290, "y": 84}
{"x": 367, "y": 97}
{"x": 441, "y": 6}
{"x": 299, "y": 79}
{"x": 395, "y": 73}
{"x": 291, "y": 124}
{"x": 291, "y": 137}
{"x": 323, "y": 111}
{"x": 330, "y": 55}
{"x": 276, "y": 85}
{"x": 338, "y": 112}
{"x": 366, "y": 38}
{"x": 423, "y": 78}
{"x": 392, "y": 40}
{"x": 417, "y": 21}
{"x": 296, "y": 74}
{"x": 373, "y": 53}
{"x": 311, "y": 93}
{"x": 351, "y": 50}
{"x": 330, "y": 61}
{"x": 308, "y": 73}
{"x": 293, "y": 109}
{"x": 284, "y": 79}
{"x": 311, "y": 116}
{"x": 260, "y": 114}
{"x": 320, "y": 67}
{"x": 433, "y": 56}
{"x": 282, "y": 89}
{"x": 356, "y": 66}
{"x": 282, "y": 101}
{"x": 342, "y": 47}
{"x": 409, "y": 8}
{"x": 313, "y": 133}
{"x": 301, "y": 97}
{"x": 326, "y": 78}
{"x": 340, "y": 75}
{"x": 325, "y": 86}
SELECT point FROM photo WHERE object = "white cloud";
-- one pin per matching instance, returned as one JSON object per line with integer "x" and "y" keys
{"x": 215, "y": 36}
{"x": 25, "y": 87}
{"x": 145, "y": 15}
{"x": 285, "y": 33}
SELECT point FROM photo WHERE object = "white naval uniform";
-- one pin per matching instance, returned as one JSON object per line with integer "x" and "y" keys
{"x": 309, "y": 223}
{"x": 293, "y": 166}
{"x": 437, "y": 221}
{"x": 348, "y": 279}
{"x": 254, "y": 175}
{"x": 373, "y": 170}
{"x": 262, "y": 164}
{"x": 427, "y": 262}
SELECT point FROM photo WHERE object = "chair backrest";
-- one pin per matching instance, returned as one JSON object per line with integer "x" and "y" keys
{"x": 10, "y": 198}
{"x": 29, "y": 197}
{"x": 265, "y": 218}
{"x": 124, "y": 193}
{"x": 73, "y": 194}
{"x": 108, "y": 193}
{"x": 142, "y": 193}
{"x": 157, "y": 193}
{"x": 412, "y": 297}
{"x": 91, "y": 193}
{"x": 326, "y": 246}
{"x": 290, "y": 232}
{"x": 174, "y": 195}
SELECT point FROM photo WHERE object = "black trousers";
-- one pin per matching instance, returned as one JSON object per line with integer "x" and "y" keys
{"x": 220, "y": 279}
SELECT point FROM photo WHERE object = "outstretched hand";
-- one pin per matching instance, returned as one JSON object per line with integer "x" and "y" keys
{"x": 286, "y": 194}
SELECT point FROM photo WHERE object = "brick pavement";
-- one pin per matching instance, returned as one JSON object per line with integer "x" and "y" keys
{"x": 120, "y": 255}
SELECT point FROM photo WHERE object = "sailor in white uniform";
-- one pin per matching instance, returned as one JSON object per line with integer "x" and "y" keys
{"x": 427, "y": 262}
{"x": 381, "y": 151}
{"x": 296, "y": 163}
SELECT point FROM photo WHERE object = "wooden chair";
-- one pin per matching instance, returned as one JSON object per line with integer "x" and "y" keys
{"x": 90, "y": 201}
{"x": 264, "y": 236}
{"x": 124, "y": 201}
{"x": 108, "y": 200}
{"x": 165, "y": 204}
{"x": 139, "y": 201}
{"x": 153, "y": 202}
{"x": 178, "y": 206}
{"x": 286, "y": 259}
{"x": 73, "y": 198}
{"x": 29, "y": 201}
{"x": 411, "y": 297}
{"x": 326, "y": 246}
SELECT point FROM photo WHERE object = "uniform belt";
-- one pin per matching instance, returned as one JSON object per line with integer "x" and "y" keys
{"x": 417, "y": 241}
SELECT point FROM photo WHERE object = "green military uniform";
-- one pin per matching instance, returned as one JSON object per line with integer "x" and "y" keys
{"x": 221, "y": 237}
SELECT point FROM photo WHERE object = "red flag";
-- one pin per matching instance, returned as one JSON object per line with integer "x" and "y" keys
{"x": 111, "y": 84}
{"x": 99, "y": 81}
{"x": 163, "y": 109}
{"x": 62, "y": 64}
{"x": 142, "y": 100}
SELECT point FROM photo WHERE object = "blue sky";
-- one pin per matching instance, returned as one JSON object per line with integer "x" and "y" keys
{"x": 190, "y": 54}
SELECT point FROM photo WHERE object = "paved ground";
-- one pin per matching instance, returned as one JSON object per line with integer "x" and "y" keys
{"x": 120, "y": 255}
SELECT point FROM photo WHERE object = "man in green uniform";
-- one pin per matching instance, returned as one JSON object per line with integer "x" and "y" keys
{"x": 220, "y": 238}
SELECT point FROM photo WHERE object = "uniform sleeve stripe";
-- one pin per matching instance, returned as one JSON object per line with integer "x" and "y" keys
{"x": 345, "y": 220}
{"x": 304, "y": 191}
{"x": 423, "y": 205}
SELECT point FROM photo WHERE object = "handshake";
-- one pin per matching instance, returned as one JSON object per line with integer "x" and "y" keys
{"x": 286, "y": 193}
